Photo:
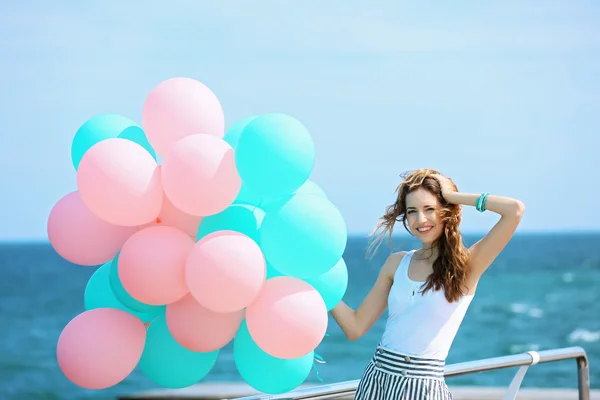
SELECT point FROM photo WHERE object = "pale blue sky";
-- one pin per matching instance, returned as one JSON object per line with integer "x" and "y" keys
{"x": 504, "y": 96}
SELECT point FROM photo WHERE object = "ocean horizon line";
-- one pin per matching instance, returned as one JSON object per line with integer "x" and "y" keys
{"x": 354, "y": 235}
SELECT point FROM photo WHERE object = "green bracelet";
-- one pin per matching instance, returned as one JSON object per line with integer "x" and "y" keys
{"x": 480, "y": 203}
{"x": 484, "y": 201}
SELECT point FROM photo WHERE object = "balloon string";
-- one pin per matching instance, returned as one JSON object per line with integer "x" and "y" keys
{"x": 317, "y": 371}
{"x": 320, "y": 360}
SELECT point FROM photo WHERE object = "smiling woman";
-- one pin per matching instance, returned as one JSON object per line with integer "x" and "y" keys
{"x": 426, "y": 290}
{"x": 425, "y": 213}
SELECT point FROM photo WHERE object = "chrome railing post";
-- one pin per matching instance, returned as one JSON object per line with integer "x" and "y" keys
{"x": 583, "y": 376}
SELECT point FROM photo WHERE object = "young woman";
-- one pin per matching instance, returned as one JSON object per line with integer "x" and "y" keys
{"x": 427, "y": 291}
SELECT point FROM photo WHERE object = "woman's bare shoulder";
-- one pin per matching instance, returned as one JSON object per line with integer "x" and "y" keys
{"x": 391, "y": 265}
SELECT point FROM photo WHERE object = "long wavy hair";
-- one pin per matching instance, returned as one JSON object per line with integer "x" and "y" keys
{"x": 450, "y": 266}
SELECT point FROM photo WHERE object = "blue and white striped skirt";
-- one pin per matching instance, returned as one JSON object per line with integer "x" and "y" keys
{"x": 395, "y": 376}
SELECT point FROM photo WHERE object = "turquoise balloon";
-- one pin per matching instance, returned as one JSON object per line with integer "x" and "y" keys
{"x": 237, "y": 217}
{"x": 98, "y": 294}
{"x": 233, "y": 133}
{"x": 125, "y": 298}
{"x": 304, "y": 237}
{"x": 245, "y": 196}
{"x": 275, "y": 155}
{"x": 264, "y": 372}
{"x": 106, "y": 126}
{"x": 248, "y": 197}
{"x": 137, "y": 135}
{"x": 332, "y": 284}
{"x": 309, "y": 187}
{"x": 168, "y": 364}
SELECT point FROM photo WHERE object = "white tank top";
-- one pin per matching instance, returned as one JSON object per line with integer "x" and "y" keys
{"x": 421, "y": 325}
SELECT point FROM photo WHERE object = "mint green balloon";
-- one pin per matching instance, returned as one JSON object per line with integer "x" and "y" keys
{"x": 125, "y": 298}
{"x": 309, "y": 187}
{"x": 303, "y": 237}
{"x": 275, "y": 155}
{"x": 237, "y": 217}
{"x": 332, "y": 284}
{"x": 106, "y": 126}
{"x": 136, "y": 134}
{"x": 264, "y": 372}
{"x": 168, "y": 364}
{"x": 247, "y": 197}
{"x": 98, "y": 294}
{"x": 233, "y": 133}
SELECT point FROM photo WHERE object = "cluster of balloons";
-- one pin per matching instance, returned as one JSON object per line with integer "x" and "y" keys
{"x": 226, "y": 239}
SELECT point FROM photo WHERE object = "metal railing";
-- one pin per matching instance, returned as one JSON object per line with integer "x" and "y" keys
{"x": 523, "y": 360}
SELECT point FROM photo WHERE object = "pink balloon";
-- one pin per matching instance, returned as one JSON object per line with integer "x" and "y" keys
{"x": 199, "y": 329}
{"x": 152, "y": 265}
{"x": 119, "y": 182}
{"x": 225, "y": 271}
{"x": 82, "y": 238}
{"x": 179, "y": 107}
{"x": 199, "y": 175}
{"x": 99, "y": 348}
{"x": 288, "y": 319}
{"x": 174, "y": 217}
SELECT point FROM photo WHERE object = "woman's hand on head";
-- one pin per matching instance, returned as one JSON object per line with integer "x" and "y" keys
{"x": 445, "y": 183}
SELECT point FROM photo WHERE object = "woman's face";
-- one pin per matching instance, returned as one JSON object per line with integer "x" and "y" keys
{"x": 422, "y": 216}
